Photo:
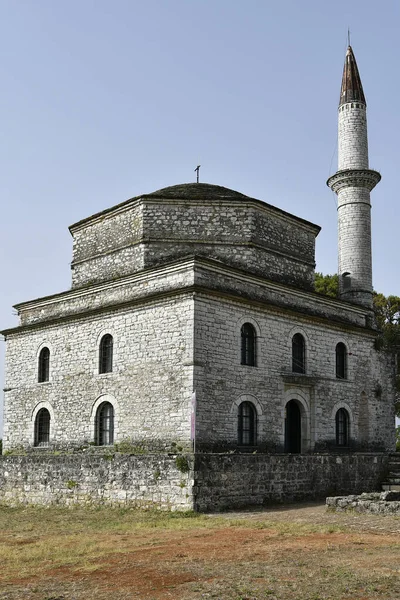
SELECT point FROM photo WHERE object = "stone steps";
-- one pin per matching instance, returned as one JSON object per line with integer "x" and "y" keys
{"x": 391, "y": 487}
{"x": 392, "y": 481}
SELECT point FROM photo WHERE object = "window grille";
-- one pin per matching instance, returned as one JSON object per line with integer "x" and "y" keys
{"x": 341, "y": 361}
{"x": 44, "y": 365}
{"x": 42, "y": 428}
{"x": 106, "y": 354}
{"x": 248, "y": 345}
{"x": 105, "y": 424}
{"x": 247, "y": 424}
{"x": 342, "y": 427}
{"x": 298, "y": 354}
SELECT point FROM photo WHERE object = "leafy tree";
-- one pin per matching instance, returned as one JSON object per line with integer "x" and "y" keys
{"x": 327, "y": 284}
{"x": 387, "y": 311}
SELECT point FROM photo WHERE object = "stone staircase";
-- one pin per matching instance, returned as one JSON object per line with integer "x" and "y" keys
{"x": 392, "y": 481}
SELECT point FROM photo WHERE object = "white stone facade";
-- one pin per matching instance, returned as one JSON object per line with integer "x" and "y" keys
{"x": 186, "y": 338}
{"x": 148, "y": 386}
{"x": 221, "y": 382}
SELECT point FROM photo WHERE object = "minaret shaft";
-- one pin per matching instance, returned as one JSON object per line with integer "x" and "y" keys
{"x": 352, "y": 136}
{"x": 353, "y": 183}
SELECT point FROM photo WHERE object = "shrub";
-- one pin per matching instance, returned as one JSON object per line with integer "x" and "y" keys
{"x": 182, "y": 464}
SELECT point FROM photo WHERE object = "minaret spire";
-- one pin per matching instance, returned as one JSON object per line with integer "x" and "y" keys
{"x": 353, "y": 183}
{"x": 351, "y": 90}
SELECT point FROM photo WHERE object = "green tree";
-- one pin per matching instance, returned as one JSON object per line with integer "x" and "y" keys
{"x": 387, "y": 311}
{"x": 327, "y": 284}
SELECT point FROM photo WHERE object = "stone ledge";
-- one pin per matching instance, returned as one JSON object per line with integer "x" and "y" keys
{"x": 375, "y": 503}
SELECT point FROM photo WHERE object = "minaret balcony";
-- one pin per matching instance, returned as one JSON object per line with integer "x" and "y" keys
{"x": 365, "y": 178}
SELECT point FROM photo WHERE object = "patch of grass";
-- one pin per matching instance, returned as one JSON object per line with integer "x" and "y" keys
{"x": 90, "y": 553}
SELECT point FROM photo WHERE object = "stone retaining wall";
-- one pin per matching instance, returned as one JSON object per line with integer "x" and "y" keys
{"x": 151, "y": 480}
{"x": 239, "y": 480}
{"x": 218, "y": 481}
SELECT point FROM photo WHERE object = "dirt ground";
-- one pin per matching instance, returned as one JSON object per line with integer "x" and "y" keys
{"x": 298, "y": 552}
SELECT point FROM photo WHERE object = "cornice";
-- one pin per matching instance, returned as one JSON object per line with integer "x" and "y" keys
{"x": 81, "y": 292}
{"x": 149, "y": 199}
{"x": 215, "y": 269}
{"x": 245, "y": 277}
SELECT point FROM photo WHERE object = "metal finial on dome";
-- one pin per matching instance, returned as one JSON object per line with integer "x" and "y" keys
{"x": 198, "y": 172}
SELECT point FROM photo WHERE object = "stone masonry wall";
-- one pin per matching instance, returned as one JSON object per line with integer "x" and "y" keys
{"x": 352, "y": 137}
{"x": 144, "y": 481}
{"x": 222, "y": 382}
{"x": 148, "y": 232}
{"x": 242, "y": 234}
{"x": 236, "y": 481}
{"x": 215, "y": 481}
{"x": 150, "y": 385}
{"x": 97, "y": 246}
{"x": 354, "y": 238}
{"x": 108, "y": 266}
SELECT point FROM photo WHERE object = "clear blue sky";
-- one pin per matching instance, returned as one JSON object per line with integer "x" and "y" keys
{"x": 104, "y": 100}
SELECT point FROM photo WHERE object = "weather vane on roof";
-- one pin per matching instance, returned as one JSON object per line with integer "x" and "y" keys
{"x": 348, "y": 36}
{"x": 198, "y": 172}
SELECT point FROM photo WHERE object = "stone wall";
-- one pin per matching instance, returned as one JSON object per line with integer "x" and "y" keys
{"x": 214, "y": 482}
{"x": 222, "y": 382}
{"x": 150, "y": 386}
{"x": 149, "y": 232}
{"x": 157, "y": 364}
{"x": 239, "y": 480}
{"x": 144, "y": 481}
{"x": 384, "y": 503}
{"x": 106, "y": 247}
{"x": 248, "y": 235}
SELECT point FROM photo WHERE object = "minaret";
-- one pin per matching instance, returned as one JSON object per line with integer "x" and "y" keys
{"x": 353, "y": 183}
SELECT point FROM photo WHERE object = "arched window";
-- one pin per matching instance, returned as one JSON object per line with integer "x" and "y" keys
{"x": 42, "y": 428}
{"x": 106, "y": 354}
{"x": 247, "y": 424}
{"x": 298, "y": 354}
{"x": 105, "y": 424}
{"x": 342, "y": 427}
{"x": 341, "y": 361}
{"x": 44, "y": 365}
{"x": 248, "y": 345}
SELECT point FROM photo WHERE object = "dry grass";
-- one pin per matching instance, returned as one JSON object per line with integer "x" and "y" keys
{"x": 302, "y": 554}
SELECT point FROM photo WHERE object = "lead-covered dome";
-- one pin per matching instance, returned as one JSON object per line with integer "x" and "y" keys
{"x": 198, "y": 191}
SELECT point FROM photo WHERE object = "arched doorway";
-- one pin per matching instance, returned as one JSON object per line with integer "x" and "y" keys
{"x": 293, "y": 427}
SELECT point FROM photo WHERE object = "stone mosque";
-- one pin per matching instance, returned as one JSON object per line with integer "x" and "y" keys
{"x": 192, "y": 323}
